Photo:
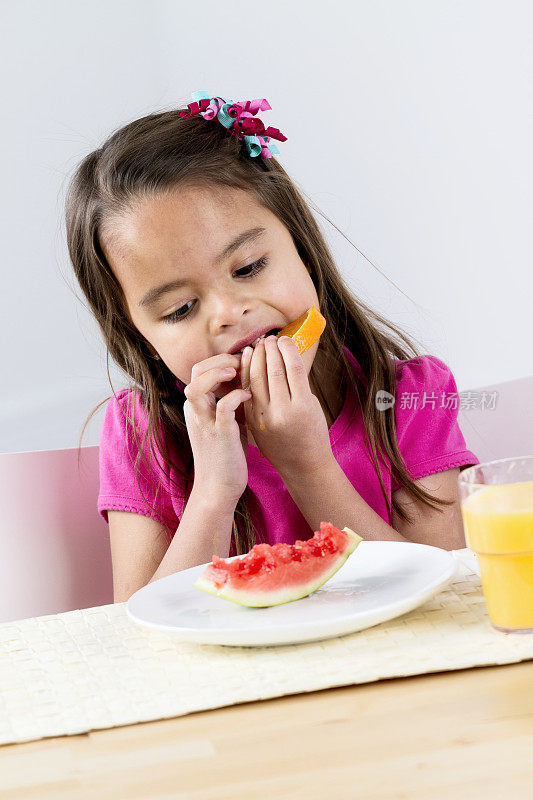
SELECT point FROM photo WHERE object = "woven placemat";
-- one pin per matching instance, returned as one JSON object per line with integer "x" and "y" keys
{"x": 70, "y": 673}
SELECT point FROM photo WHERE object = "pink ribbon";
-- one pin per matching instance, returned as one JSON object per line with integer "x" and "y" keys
{"x": 195, "y": 108}
{"x": 243, "y": 113}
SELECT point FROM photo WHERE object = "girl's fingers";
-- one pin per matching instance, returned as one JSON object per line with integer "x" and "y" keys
{"x": 245, "y": 383}
{"x": 196, "y": 391}
{"x": 258, "y": 376}
{"x": 205, "y": 367}
{"x": 297, "y": 375}
{"x": 227, "y": 405}
{"x": 222, "y": 360}
{"x": 278, "y": 385}
{"x": 245, "y": 367}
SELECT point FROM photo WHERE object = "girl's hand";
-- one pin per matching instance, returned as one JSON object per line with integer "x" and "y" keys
{"x": 218, "y": 442}
{"x": 285, "y": 417}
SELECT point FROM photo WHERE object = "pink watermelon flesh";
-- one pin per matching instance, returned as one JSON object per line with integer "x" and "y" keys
{"x": 273, "y": 574}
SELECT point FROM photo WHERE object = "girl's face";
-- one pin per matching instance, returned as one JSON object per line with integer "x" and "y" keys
{"x": 188, "y": 297}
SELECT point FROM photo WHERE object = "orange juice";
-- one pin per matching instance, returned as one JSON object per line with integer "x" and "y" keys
{"x": 498, "y": 521}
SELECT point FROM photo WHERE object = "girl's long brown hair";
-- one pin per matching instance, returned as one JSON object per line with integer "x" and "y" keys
{"x": 157, "y": 154}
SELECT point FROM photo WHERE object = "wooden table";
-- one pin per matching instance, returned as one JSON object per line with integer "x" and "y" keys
{"x": 463, "y": 734}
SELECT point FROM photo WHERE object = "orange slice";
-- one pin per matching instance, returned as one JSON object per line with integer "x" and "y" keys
{"x": 305, "y": 330}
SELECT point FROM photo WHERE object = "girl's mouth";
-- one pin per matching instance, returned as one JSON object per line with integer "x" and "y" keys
{"x": 274, "y": 331}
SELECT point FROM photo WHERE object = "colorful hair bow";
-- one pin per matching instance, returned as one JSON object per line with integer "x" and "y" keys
{"x": 240, "y": 120}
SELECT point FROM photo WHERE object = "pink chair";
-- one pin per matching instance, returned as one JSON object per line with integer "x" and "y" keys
{"x": 55, "y": 546}
{"x": 505, "y": 430}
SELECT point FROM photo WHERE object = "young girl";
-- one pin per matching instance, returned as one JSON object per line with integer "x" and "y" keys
{"x": 189, "y": 241}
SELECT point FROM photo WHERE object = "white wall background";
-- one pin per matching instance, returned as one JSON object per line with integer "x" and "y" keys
{"x": 409, "y": 124}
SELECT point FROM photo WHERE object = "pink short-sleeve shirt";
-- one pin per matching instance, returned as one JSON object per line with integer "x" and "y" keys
{"x": 429, "y": 439}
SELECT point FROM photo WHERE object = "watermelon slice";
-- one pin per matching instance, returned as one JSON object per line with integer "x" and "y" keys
{"x": 270, "y": 575}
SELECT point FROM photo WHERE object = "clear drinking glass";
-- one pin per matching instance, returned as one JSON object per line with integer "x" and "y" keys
{"x": 497, "y": 510}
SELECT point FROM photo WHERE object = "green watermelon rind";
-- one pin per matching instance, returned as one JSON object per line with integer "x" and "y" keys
{"x": 247, "y": 598}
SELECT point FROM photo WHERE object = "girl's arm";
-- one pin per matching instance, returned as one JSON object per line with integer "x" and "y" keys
{"x": 439, "y": 528}
{"x": 328, "y": 495}
{"x": 205, "y": 528}
{"x": 140, "y": 550}
{"x": 138, "y": 544}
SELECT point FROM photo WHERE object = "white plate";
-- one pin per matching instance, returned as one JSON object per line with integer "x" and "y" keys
{"x": 468, "y": 558}
{"x": 379, "y": 581}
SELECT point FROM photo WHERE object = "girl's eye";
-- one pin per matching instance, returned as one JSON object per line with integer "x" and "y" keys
{"x": 176, "y": 316}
